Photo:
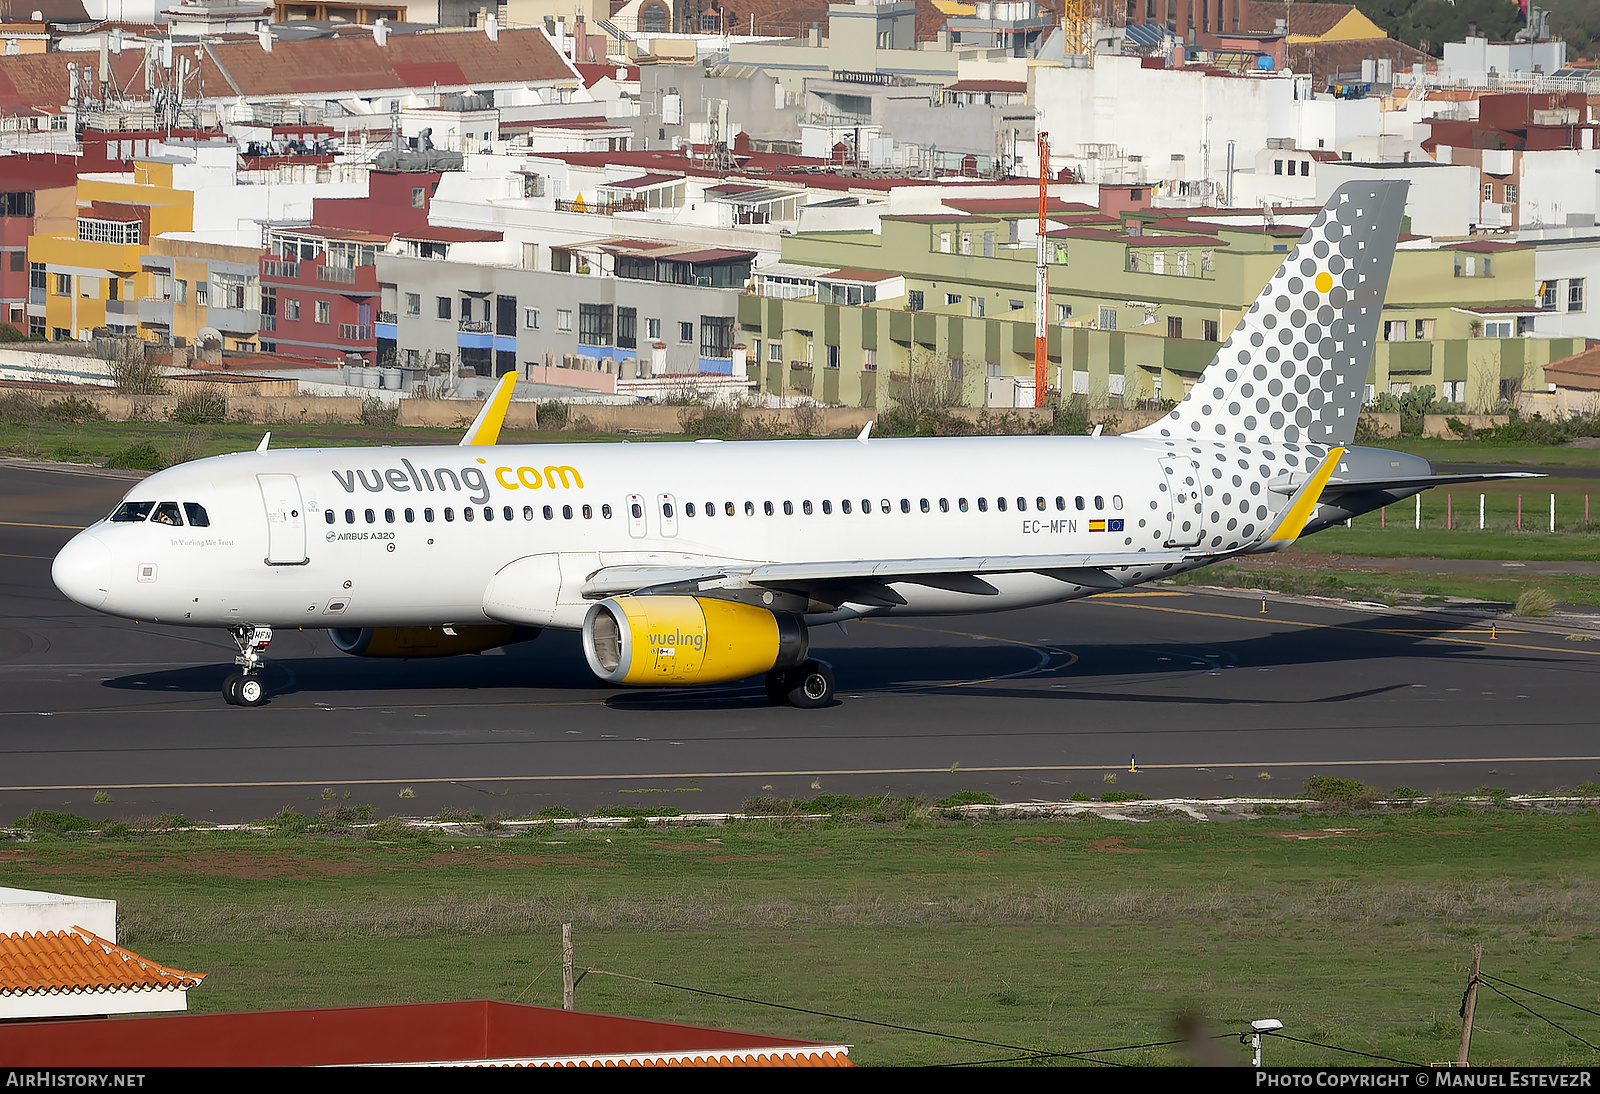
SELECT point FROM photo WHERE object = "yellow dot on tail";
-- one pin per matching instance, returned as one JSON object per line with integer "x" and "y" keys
{"x": 1324, "y": 281}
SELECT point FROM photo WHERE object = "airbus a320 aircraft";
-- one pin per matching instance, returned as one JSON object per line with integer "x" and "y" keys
{"x": 703, "y": 563}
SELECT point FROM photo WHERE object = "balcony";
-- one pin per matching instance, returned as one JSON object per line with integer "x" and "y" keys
{"x": 156, "y": 310}
{"x": 475, "y": 326}
{"x": 233, "y": 320}
{"x": 343, "y": 275}
{"x": 276, "y": 267}
{"x": 355, "y": 332}
{"x": 122, "y": 307}
{"x": 602, "y": 208}
{"x": 387, "y": 317}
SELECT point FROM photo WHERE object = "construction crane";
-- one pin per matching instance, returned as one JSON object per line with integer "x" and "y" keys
{"x": 1077, "y": 24}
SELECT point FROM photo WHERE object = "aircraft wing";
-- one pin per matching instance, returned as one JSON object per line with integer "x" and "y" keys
{"x": 868, "y": 580}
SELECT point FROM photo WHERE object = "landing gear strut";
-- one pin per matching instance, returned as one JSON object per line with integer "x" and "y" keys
{"x": 244, "y": 688}
{"x": 808, "y": 685}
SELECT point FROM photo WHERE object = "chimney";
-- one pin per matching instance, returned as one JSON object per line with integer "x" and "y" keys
{"x": 380, "y": 32}
{"x": 816, "y": 34}
{"x": 264, "y": 38}
{"x": 491, "y": 27}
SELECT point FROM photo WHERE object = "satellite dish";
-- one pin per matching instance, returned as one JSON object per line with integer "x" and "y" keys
{"x": 208, "y": 336}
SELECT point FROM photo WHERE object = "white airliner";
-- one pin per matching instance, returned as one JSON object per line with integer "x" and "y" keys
{"x": 703, "y": 563}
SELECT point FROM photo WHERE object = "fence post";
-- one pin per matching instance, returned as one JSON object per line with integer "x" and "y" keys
{"x": 1480, "y": 512}
{"x": 1419, "y": 512}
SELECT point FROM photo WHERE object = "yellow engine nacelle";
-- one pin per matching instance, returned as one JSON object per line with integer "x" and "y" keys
{"x": 688, "y": 640}
{"x": 425, "y": 641}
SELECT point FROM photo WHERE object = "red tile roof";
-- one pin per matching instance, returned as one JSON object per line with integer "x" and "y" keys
{"x": 1303, "y": 18}
{"x": 1014, "y": 86}
{"x": 77, "y": 960}
{"x": 1581, "y": 371}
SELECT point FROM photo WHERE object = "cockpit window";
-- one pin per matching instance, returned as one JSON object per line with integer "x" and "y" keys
{"x": 167, "y": 513}
{"x": 130, "y": 512}
{"x": 198, "y": 517}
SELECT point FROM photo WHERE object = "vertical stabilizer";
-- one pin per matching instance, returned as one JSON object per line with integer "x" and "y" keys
{"x": 1294, "y": 369}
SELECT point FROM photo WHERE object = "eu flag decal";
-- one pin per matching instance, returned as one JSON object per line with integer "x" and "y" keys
{"x": 1114, "y": 525}
{"x": 1097, "y": 526}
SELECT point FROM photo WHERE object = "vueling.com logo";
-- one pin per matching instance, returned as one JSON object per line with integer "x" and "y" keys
{"x": 429, "y": 480}
{"x": 677, "y": 640}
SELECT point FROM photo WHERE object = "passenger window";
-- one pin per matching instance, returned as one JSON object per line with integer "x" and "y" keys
{"x": 605, "y": 512}
{"x": 711, "y": 508}
{"x": 1000, "y": 504}
{"x": 944, "y": 505}
{"x": 427, "y": 515}
{"x": 1099, "y": 503}
{"x": 329, "y": 517}
{"x": 1078, "y": 501}
{"x": 488, "y": 512}
{"x": 961, "y": 503}
{"x": 1116, "y": 501}
{"x": 1061, "y": 502}
{"x": 749, "y": 508}
{"x": 550, "y": 514}
{"x": 411, "y": 516}
{"x": 349, "y": 516}
{"x": 372, "y": 518}
{"x": 688, "y": 508}
{"x": 566, "y": 512}
{"x": 983, "y": 505}
{"x": 766, "y": 507}
{"x": 388, "y": 515}
{"x": 167, "y": 513}
{"x": 788, "y": 508}
{"x": 727, "y": 509}
{"x": 886, "y": 506}
{"x": 527, "y": 512}
{"x": 1040, "y": 503}
{"x": 666, "y": 510}
{"x": 131, "y": 512}
{"x": 199, "y": 518}
{"x": 468, "y": 513}
{"x": 509, "y": 513}
{"x": 924, "y": 504}
{"x": 637, "y": 510}
{"x": 827, "y": 507}
{"x": 588, "y": 512}
{"x": 844, "y": 506}
{"x": 1022, "y": 505}
{"x": 805, "y": 507}
{"x": 449, "y": 514}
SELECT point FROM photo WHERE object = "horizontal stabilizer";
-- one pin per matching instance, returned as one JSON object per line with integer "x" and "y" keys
{"x": 1414, "y": 483}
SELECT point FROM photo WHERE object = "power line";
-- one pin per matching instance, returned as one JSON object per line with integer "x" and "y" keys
{"x": 1540, "y": 994}
{"x": 1027, "y": 1053}
{"x": 1539, "y": 1016}
{"x": 1337, "y": 1048}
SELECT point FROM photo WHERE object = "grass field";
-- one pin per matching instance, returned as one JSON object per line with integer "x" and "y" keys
{"x": 1352, "y": 929}
{"x": 1394, "y": 586}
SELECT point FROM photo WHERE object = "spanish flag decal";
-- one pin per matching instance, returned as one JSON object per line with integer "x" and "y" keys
{"x": 1097, "y": 526}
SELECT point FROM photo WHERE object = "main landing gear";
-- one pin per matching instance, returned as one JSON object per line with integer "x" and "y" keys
{"x": 808, "y": 685}
{"x": 244, "y": 688}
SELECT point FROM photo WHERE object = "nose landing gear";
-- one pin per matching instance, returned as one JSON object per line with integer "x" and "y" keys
{"x": 244, "y": 688}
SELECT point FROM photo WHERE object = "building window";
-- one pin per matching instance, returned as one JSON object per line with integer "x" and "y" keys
{"x": 442, "y": 305}
{"x": 975, "y": 307}
{"x": 775, "y": 352}
{"x": 1208, "y": 329}
{"x": 914, "y": 300}
{"x": 966, "y": 243}
{"x": 1063, "y": 313}
{"x": 833, "y": 357}
{"x": 563, "y": 319}
{"x": 1497, "y": 328}
{"x": 530, "y": 318}
{"x": 869, "y": 360}
{"x": 1575, "y": 294}
{"x": 413, "y": 303}
{"x": 652, "y": 329}
{"x": 291, "y": 308}
{"x": 1108, "y": 318}
{"x": 180, "y": 292}
{"x": 1547, "y": 295}
{"x": 1277, "y": 167}
{"x": 628, "y": 329}
{"x": 594, "y": 324}
{"x": 63, "y": 285}
{"x": 323, "y": 311}
{"x": 686, "y": 332}
{"x": 202, "y": 293}
{"x": 108, "y": 231}
{"x": 1425, "y": 329}
{"x": 419, "y": 197}
{"x": 944, "y": 242}
{"x": 1488, "y": 191}
{"x": 1174, "y": 326}
{"x": 1394, "y": 330}
{"x": 716, "y": 335}
{"x": 1511, "y": 193}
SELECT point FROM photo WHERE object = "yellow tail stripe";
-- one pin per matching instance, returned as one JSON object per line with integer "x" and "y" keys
{"x": 486, "y": 427}
{"x": 1305, "y": 501}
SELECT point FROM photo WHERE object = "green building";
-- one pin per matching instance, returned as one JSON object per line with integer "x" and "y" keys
{"x": 1138, "y": 303}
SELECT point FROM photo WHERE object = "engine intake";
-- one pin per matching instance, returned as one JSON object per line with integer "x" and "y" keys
{"x": 688, "y": 640}
{"x": 425, "y": 641}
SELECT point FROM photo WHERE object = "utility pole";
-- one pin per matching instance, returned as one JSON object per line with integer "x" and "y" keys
{"x": 1041, "y": 288}
{"x": 1469, "y": 1004}
{"x": 566, "y": 967}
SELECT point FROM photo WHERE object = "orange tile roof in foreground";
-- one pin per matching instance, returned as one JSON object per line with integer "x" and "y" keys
{"x": 77, "y": 960}
{"x": 475, "y": 1033}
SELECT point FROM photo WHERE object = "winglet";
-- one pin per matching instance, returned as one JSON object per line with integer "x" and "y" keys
{"x": 1303, "y": 503}
{"x": 865, "y": 434}
{"x": 262, "y": 447}
{"x": 485, "y": 428}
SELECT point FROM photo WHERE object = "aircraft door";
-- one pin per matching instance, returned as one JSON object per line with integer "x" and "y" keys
{"x": 1184, "y": 501}
{"x": 286, "y": 520}
{"x": 636, "y": 517}
{"x": 667, "y": 509}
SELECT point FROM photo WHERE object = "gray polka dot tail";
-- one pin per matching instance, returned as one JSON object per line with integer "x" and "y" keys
{"x": 1293, "y": 371}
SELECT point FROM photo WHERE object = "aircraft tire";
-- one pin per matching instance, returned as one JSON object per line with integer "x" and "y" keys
{"x": 777, "y": 687}
{"x": 811, "y": 685}
{"x": 251, "y": 692}
{"x": 230, "y": 689}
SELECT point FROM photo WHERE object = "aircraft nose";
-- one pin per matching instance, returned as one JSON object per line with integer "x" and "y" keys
{"x": 83, "y": 570}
